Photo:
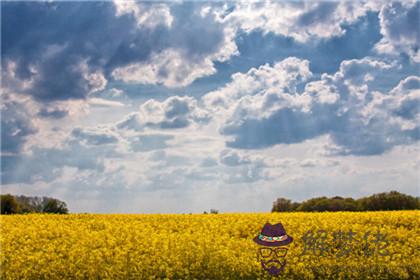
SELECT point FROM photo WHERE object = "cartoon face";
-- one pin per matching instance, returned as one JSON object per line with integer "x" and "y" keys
{"x": 272, "y": 259}
{"x": 272, "y": 251}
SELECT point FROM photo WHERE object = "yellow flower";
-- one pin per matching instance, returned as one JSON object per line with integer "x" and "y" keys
{"x": 88, "y": 246}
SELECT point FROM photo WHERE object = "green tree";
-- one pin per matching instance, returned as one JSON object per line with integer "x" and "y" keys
{"x": 53, "y": 205}
{"x": 282, "y": 205}
{"x": 392, "y": 200}
{"x": 9, "y": 205}
{"x": 29, "y": 204}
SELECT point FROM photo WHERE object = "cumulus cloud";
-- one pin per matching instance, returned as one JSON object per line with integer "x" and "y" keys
{"x": 261, "y": 110}
{"x": 190, "y": 51}
{"x": 130, "y": 122}
{"x": 300, "y": 20}
{"x": 284, "y": 76}
{"x": 400, "y": 29}
{"x": 401, "y": 105}
{"x": 172, "y": 113}
{"x": 97, "y": 136}
{"x": 152, "y": 43}
{"x": 178, "y": 66}
{"x": 246, "y": 174}
{"x": 148, "y": 16}
{"x": 149, "y": 142}
{"x": 240, "y": 167}
{"x": 170, "y": 68}
{"x": 59, "y": 76}
{"x": 210, "y": 122}
{"x": 235, "y": 158}
{"x": 359, "y": 72}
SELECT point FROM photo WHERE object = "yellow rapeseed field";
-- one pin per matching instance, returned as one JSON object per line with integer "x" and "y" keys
{"x": 384, "y": 245}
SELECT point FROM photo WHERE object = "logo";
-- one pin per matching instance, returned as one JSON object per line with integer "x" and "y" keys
{"x": 272, "y": 253}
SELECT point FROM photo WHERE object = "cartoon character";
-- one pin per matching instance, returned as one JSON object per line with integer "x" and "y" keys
{"x": 272, "y": 254}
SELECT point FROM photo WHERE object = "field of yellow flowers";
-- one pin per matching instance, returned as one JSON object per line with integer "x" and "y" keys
{"x": 384, "y": 245}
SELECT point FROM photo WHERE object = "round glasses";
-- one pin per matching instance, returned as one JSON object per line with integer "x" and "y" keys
{"x": 267, "y": 252}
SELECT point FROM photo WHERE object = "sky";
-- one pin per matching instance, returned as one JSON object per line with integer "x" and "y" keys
{"x": 180, "y": 107}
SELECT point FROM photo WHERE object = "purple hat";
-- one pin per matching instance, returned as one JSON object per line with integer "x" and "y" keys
{"x": 273, "y": 235}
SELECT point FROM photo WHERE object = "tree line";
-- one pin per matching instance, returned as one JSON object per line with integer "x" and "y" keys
{"x": 21, "y": 204}
{"x": 392, "y": 200}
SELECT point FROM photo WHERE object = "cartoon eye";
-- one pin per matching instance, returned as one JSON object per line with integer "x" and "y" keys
{"x": 281, "y": 252}
{"x": 265, "y": 252}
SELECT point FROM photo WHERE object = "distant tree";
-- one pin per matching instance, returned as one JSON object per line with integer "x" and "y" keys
{"x": 29, "y": 204}
{"x": 313, "y": 205}
{"x": 214, "y": 211}
{"x": 392, "y": 200}
{"x": 53, "y": 205}
{"x": 382, "y": 201}
{"x": 9, "y": 205}
{"x": 282, "y": 205}
{"x": 349, "y": 204}
{"x": 295, "y": 206}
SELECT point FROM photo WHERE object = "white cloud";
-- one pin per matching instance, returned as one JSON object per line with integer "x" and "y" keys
{"x": 275, "y": 130}
{"x": 236, "y": 158}
{"x": 266, "y": 80}
{"x": 171, "y": 68}
{"x": 96, "y": 136}
{"x": 100, "y": 102}
{"x": 400, "y": 28}
{"x": 189, "y": 51}
{"x": 359, "y": 72}
{"x": 265, "y": 107}
{"x": 130, "y": 122}
{"x": 401, "y": 107}
{"x": 149, "y": 15}
{"x": 96, "y": 80}
{"x": 179, "y": 66}
{"x": 318, "y": 162}
{"x": 172, "y": 113}
{"x": 301, "y": 20}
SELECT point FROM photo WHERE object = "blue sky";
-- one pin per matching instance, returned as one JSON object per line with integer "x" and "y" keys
{"x": 157, "y": 107}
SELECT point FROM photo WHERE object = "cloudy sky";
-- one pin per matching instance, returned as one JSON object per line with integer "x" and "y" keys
{"x": 125, "y": 107}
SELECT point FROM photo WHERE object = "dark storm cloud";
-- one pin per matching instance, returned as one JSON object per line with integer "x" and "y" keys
{"x": 69, "y": 49}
